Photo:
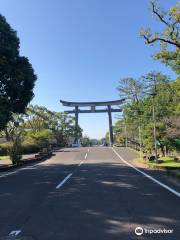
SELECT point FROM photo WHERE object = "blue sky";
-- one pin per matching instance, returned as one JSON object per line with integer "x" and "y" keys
{"x": 81, "y": 48}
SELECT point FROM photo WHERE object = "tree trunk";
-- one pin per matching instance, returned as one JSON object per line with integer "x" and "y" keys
{"x": 162, "y": 149}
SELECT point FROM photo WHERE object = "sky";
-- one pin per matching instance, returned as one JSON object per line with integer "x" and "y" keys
{"x": 80, "y": 49}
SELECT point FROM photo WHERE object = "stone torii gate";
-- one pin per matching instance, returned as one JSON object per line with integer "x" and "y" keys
{"x": 92, "y": 106}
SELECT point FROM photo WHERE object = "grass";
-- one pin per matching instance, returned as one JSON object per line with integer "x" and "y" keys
{"x": 168, "y": 163}
{"x": 4, "y": 157}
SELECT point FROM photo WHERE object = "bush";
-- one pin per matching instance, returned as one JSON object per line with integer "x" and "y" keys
{"x": 39, "y": 138}
{"x": 14, "y": 152}
{"x": 30, "y": 147}
{"x": 27, "y": 147}
{"x": 4, "y": 148}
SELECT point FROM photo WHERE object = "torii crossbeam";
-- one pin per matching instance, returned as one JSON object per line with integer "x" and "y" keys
{"x": 92, "y": 106}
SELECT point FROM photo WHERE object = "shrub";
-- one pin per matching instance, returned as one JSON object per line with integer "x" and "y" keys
{"x": 40, "y": 138}
{"x": 14, "y": 152}
{"x": 27, "y": 147}
{"x": 30, "y": 147}
{"x": 4, "y": 148}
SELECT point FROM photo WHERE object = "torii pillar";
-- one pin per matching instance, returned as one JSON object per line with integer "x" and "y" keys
{"x": 111, "y": 138}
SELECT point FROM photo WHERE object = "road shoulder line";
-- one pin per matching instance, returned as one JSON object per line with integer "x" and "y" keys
{"x": 147, "y": 175}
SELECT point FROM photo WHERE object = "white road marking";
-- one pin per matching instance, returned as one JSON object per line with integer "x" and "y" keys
{"x": 15, "y": 233}
{"x": 148, "y": 176}
{"x": 88, "y": 149}
{"x": 85, "y": 156}
{"x": 7, "y": 174}
{"x": 18, "y": 170}
{"x": 63, "y": 181}
{"x": 80, "y": 163}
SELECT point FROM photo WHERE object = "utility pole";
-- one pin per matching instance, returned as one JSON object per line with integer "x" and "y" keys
{"x": 126, "y": 141}
{"x": 140, "y": 141}
{"x": 125, "y": 128}
{"x": 154, "y": 129}
{"x": 153, "y": 93}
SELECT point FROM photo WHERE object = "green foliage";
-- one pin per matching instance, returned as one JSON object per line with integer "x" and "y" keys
{"x": 170, "y": 58}
{"x": 29, "y": 146}
{"x": 17, "y": 76}
{"x": 14, "y": 128}
{"x": 164, "y": 162}
{"x": 38, "y": 128}
{"x": 4, "y": 157}
{"x": 119, "y": 132}
{"x": 59, "y": 124}
{"x": 14, "y": 152}
{"x": 4, "y": 148}
{"x": 40, "y": 138}
{"x": 153, "y": 88}
{"x": 85, "y": 141}
{"x": 169, "y": 38}
{"x": 107, "y": 137}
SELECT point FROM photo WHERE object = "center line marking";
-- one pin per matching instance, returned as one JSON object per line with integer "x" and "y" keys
{"x": 80, "y": 163}
{"x": 88, "y": 149}
{"x": 63, "y": 181}
{"x": 148, "y": 176}
{"x": 85, "y": 156}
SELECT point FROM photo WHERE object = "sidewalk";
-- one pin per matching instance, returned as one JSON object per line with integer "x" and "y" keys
{"x": 7, "y": 162}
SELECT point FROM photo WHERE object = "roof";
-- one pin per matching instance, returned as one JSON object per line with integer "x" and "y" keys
{"x": 86, "y": 104}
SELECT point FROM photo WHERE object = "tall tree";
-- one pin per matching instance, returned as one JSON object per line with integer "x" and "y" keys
{"x": 169, "y": 38}
{"x": 152, "y": 89}
{"x": 17, "y": 77}
{"x": 61, "y": 125}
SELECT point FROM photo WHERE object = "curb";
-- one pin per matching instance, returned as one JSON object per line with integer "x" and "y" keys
{"x": 25, "y": 162}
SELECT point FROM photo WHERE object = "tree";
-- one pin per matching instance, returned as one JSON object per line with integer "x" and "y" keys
{"x": 14, "y": 133}
{"x": 169, "y": 38}
{"x": 130, "y": 88}
{"x": 153, "y": 89}
{"x": 107, "y": 137}
{"x": 85, "y": 141}
{"x": 40, "y": 138}
{"x": 14, "y": 129}
{"x": 120, "y": 132}
{"x": 60, "y": 125}
{"x": 17, "y": 77}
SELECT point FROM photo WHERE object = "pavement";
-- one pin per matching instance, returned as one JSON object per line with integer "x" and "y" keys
{"x": 88, "y": 194}
{"x": 8, "y": 162}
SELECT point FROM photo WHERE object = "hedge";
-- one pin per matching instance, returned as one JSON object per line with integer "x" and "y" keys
{"x": 26, "y": 148}
{"x": 4, "y": 148}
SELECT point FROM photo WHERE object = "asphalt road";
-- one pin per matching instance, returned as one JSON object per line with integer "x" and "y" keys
{"x": 87, "y": 195}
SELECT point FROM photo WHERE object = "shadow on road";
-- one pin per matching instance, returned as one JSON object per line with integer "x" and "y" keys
{"x": 101, "y": 201}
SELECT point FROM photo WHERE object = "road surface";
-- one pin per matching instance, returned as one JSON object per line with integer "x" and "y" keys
{"x": 87, "y": 194}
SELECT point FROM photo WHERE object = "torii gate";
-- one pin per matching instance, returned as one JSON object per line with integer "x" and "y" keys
{"x": 93, "y": 109}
